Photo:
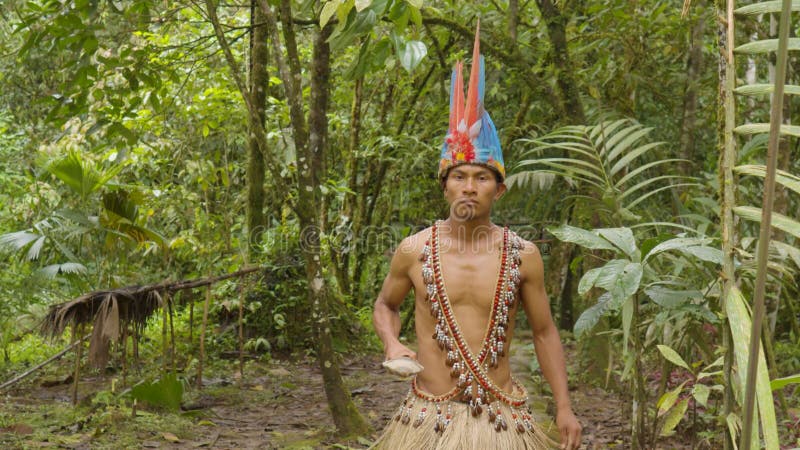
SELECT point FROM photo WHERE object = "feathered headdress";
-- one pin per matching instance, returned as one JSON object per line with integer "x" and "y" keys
{"x": 472, "y": 137}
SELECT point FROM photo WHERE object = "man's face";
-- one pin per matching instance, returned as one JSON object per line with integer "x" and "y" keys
{"x": 471, "y": 191}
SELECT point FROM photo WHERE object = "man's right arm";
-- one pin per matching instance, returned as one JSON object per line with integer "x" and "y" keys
{"x": 386, "y": 316}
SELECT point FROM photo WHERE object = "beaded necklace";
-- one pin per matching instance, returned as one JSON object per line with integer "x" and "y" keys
{"x": 473, "y": 384}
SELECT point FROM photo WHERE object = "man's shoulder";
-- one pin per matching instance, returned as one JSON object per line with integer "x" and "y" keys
{"x": 526, "y": 246}
{"x": 415, "y": 242}
{"x": 528, "y": 251}
{"x": 411, "y": 247}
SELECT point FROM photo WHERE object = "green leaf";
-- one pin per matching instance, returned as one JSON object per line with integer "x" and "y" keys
{"x": 764, "y": 89}
{"x": 673, "y": 356}
{"x": 784, "y": 248}
{"x": 674, "y": 417}
{"x": 35, "y": 249}
{"x": 621, "y": 278}
{"x": 765, "y": 46}
{"x": 782, "y": 177}
{"x": 622, "y": 238}
{"x": 343, "y": 10}
{"x": 581, "y": 237}
{"x": 702, "y": 252}
{"x": 779, "y": 221}
{"x": 362, "y": 5}
{"x": 627, "y": 319}
{"x": 667, "y": 401}
{"x": 416, "y": 16}
{"x": 757, "y": 128}
{"x": 591, "y": 316}
{"x": 18, "y": 239}
{"x": 677, "y": 243}
{"x": 52, "y": 270}
{"x": 625, "y": 144}
{"x": 700, "y": 393}
{"x": 588, "y": 280}
{"x": 765, "y": 8}
{"x": 412, "y": 54}
{"x": 166, "y": 392}
{"x": 415, "y": 3}
{"x": 740, "y": 324}
{"x": 363, "y": 23}
{"x": 399, "y": 15}
{"x": 668, "y": 298}
{"x": 780, "y": 383}
{"x": 610, "y": 273}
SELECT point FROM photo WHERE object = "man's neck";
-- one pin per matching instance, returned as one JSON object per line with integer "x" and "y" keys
{"x": 470, "y": 232}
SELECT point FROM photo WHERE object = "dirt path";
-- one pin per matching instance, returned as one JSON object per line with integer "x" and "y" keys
{"x": 280, "y": 405}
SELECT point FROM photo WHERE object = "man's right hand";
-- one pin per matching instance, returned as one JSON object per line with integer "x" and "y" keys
{"x": 398, "y": 350}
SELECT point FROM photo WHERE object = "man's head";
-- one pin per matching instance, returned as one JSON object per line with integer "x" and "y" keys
{"x": 471, "y": 191}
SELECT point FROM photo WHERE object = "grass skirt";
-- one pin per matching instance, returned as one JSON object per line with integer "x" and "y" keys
{"x": 409, "y": 429}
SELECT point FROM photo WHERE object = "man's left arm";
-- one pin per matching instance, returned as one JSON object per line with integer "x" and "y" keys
{"x": 547, "y": 341}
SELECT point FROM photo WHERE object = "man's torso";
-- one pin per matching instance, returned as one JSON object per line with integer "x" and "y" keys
{"x": 470, "y": 276}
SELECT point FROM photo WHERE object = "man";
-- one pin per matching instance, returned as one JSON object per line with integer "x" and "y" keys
{"x": 470, "y": 277}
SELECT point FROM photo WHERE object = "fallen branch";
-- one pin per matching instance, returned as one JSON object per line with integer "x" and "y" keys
{"x": 55, "y": 357}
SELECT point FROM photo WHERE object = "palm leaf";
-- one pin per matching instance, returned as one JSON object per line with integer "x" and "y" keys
{"x": 53, "y": 270}
{"x": 605, "y": 129}
{"x": 656, "y": 191}
{"x": 740, "y": 324}
{"x": 763, "y": 89}
{"x": 612, "y": 140}
{"x": 765, "y": 46}
{"x": 759, "y": 128}
{"x": 531, "y": 179}
{"x": 565, "y": 169}
{"x": 779, "y": 221}
{"x": 765, "y": 8}
{"x": 641, "y": 169}
{"x": 648, "y": 182}
{"x": 627, "y": 142}
{"x": 782, "y": 177}
{"x": 625, "y": 160}
{"x": 18, "y": 239}
{"x": 36, "y": 248}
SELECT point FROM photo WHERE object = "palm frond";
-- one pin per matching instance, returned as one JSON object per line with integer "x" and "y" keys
{"x": 604, "y": 158}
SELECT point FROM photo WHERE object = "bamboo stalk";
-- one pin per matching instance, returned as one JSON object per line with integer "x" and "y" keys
{"x": 171, "y": 332}
{"x": 728, "y": 161}
{"x": 203, "y": 338}
{"x": 241, "y": 331}
{"x": 78, "y": 353}
{"x": 776, "y": 117}
{"x": 124, "y": 342}
{"x": 191, "y": 320}
{"x": 164, "y": 340}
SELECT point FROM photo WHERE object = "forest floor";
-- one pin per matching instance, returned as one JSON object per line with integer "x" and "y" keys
{"x": 278, "y": 405}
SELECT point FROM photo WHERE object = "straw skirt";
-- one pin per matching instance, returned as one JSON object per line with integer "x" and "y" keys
{"x": 417, "y": 425}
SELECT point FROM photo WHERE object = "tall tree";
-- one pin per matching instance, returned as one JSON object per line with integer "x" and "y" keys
{"x": 310, "y": 138}
{"x": 258, "y": 83}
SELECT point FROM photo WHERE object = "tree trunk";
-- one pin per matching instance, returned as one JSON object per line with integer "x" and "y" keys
{"x": 513, "y": 19}
{"x": 566, "y": 306}
{"x": 689, "y": 119}
{"x": 557, "y": 31}
{"x": 345, "y": 415}
{"x": 310, "y": 143}
{"x": 352, "y": 170}
{"x": 726, "y": 110}
{"x": 258, "y": 81}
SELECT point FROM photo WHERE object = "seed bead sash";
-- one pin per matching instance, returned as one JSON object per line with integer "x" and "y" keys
{"x": 474, "y": 385}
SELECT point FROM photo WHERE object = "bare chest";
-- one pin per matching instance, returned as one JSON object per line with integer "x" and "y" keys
{"x": 470, "y": 279}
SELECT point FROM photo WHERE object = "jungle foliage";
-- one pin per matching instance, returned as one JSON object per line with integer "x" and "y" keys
{"x": 145, "y": 140}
